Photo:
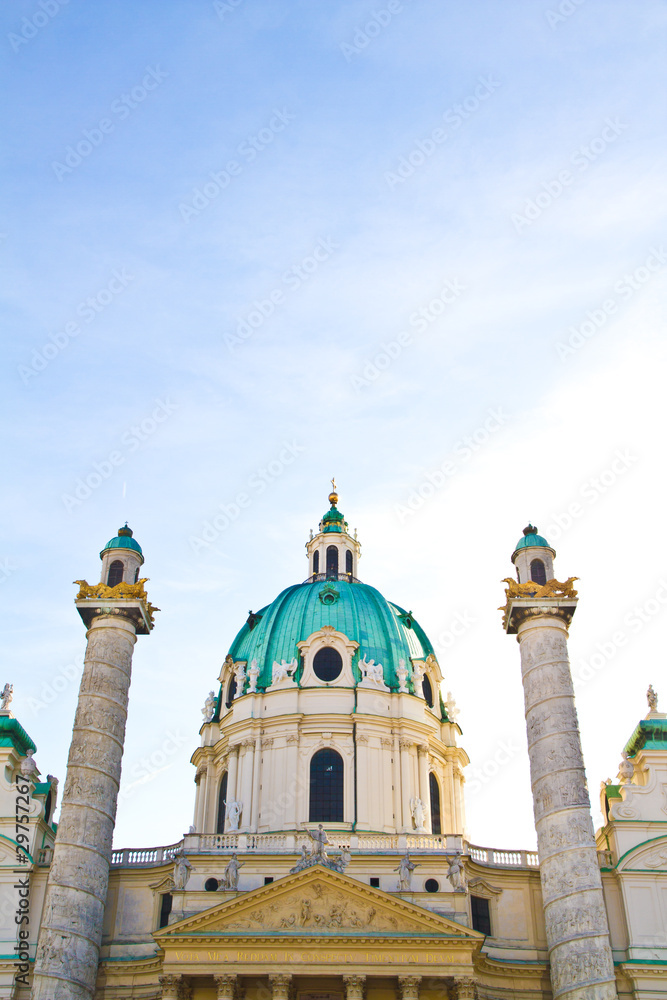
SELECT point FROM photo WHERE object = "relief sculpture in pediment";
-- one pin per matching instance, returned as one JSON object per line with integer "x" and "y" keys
{"x": 314, "y": 909}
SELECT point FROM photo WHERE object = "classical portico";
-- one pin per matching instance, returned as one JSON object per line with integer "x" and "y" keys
{"x": 317, "y": 932}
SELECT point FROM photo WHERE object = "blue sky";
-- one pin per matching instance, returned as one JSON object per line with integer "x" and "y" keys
{"x": 442, "y": 221}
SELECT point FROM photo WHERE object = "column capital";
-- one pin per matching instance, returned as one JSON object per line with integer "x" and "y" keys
{"x": 184, "y": 988}
{"x": 518, "y": 611}
{"x": 225, "y": 986}
{"x": 169, "y": 986}
{"x": 354, "y": 987}
{"x": 280, "y": 985}
{"x": 409, "y": 987}
{"x": 464, "y": 988}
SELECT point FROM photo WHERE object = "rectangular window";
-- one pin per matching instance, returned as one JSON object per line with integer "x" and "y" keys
{"x": 481, "y": 918}
{"x": 375, "y": 882}
{"x": 268, "y": 879}
{"x": 165, "y": 908}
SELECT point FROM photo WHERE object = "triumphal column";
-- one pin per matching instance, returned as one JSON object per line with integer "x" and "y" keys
{"x": 539, "y": 610}
{"x": 114, "y": 611}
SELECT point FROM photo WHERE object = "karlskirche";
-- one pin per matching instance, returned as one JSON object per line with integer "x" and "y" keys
{"x": 328, "y": 858}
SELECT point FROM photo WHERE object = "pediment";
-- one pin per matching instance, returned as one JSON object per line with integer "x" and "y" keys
{"x": 649, "y": 856}
{"x": 8, "y": 854}
{"x": 313, "y": 902}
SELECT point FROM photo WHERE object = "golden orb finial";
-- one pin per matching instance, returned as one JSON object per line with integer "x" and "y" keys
{"x": 333, "y": 496}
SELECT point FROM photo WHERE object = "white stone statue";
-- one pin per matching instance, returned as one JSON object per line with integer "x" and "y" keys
{"x": 192, "y": 828}
{"x": 253, "y": 674}
{"x": 321, "y": 840}
{"x": 651, "y": 697}
{"x": 452, "y": 710}
{"x": 28, "y": 765}
{"x": 417, "y": 810}
{"x": 456, "y": 873}
{"x": 6, "y": 696}
{"x": 344, "y": 860}
{"x": 208, "y": 710}
{"x": 239, "y": 674}
{"x": 283, "y": 671}
{"x": 405, "y": 870}
{"x": 231, "y": 881}
{"x": 402, "y": 673}
{"x": 418, "y": 670}
{"x": 373, "y": 672}
{"x": 234, "y": 810}
{"x": 182, "y": 869}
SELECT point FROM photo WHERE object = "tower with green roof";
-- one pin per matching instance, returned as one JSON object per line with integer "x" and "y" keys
{"x": 539, "y": 611}
{"x": 114, "y": 612}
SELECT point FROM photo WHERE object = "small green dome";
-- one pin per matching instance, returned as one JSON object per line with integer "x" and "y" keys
{"x": 385, "y": 632}
{"x": 124, "y": 540}
{"x": 531, "y": 538}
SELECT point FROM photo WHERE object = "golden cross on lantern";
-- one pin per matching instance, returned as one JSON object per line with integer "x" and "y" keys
{"x": 333, "y": 484}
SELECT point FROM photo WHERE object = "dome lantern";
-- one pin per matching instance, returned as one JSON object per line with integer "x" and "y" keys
{"x": 121, "y": 558}
{"x": 333, "y": 553}
{"x": 533, "y": 557}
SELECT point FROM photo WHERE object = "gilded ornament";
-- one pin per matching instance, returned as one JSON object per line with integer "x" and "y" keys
{"x": 550, "y": 589}
{"x": 122, "y": 591}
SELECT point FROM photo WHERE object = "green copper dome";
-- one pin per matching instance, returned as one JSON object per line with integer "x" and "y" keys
{"x": 530, "y": 538}
{"x": 384, "y": 631}
{"x": 124, "y": 540}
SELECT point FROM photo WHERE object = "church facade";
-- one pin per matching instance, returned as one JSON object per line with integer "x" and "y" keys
{"x": 328, "y": 858}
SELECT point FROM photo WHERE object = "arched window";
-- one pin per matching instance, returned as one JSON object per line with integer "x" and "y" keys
{"x": 47, "y": 807}
{"x": 136, "y": 574}
{"x": 316, "y": 563}
{"x": 332, "y": 561}
{"x": 427, "y": 691}
{"x": 222, "y": 796}
{"x": 434, "y": 790}
{"x": 537, "y": 572}
{"x": 348, "y": 563}
{"x": 231, "y": 691}
{"x": 326, "y": 787}
{"x": 115, "y": 573}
